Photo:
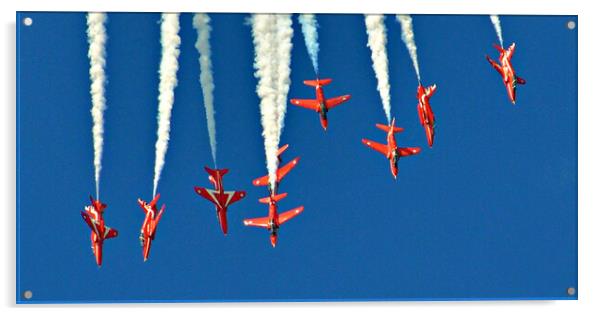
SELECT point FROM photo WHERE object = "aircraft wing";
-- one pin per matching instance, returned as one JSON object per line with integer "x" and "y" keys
{"x": 511, "y": 50}
{"x": 280, "y": 173}
{"x": 288, "y": 215}
{"x": 234, "y": 196}
{"x": 207, "y": 194}
{"x": 257, "y": 222}
{"x": 91, "y": 222}
{"x": 306, "y": 103}
{"x": 408, "y": 151}
{"x": 331, "y": 103}
{"x": 495, "y": 65}
{"x": 381, "y": 148}
{"x": 110, "y": 233}
{"x": 262, "y": 181}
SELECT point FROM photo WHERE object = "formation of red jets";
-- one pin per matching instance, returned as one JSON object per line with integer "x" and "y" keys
{"x": 93, "y": 214}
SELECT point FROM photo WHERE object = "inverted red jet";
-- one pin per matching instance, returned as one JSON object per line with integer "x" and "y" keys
{"x": 222, "y": 199}
{"x": 320, "y": 104}
{"x": 273, "y": 221}
{"x": 390, "y": 150}
{"x": 280, "y": 173}
{"x": 425, "y": 113}
{"x": 506, "y": 70}
{"x": 93, "y": 216}
{"x": 149, "y": 226}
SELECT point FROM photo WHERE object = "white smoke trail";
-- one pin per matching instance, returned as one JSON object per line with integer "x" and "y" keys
{"x": 284, "y": 35}
{"x": 201, "y": 24}
{"x": 309, "y": 26}
{"x": 170, "y": 43}
{"x": 264, "y": 35}
{"x": 97, "y": 38}
{"x": 407, "y": 35}
{"x": 377, "y": 41}
{"x": 272, "y": 38}
{"x": 498, "y": 28}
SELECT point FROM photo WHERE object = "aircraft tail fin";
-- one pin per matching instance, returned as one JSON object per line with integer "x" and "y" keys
{"x": 499, "y": 48}
{"x": 141, "y": 204}
{"x": 317, "y": 82}
{"x": 153, "y": 203}
{"x": 520, "y": 80}
{"x": 214, "y": 172}
{"x": 97, "y": 204}
{"x": 275, "y": 198}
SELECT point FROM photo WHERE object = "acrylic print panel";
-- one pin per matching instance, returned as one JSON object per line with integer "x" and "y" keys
{"x": 488, "y": 212}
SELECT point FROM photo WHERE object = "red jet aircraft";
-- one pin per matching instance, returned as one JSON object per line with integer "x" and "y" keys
{"x": 93, "y": 216}
{"x": 273, "y": 221}
{"x": 425, "y": 113}
{"x": 222, "y": 199}
{"x": 391, "y": 151}
{"x": 506, "y": 70}
{"x": 320, "y": 104}
{"x": 280, "y": 173}
{"x": 149, "y": 226}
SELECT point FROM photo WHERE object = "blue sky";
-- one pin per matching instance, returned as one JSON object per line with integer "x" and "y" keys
{"x": 489, "y": 212}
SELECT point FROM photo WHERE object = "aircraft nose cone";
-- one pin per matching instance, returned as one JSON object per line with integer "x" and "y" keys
{"x": 223, "y": 222}
{"x": 324, "y": 123}
{"x": 273, "y": 240}
{"x": 430, "y": 131}
{"x": 98, "y": 254}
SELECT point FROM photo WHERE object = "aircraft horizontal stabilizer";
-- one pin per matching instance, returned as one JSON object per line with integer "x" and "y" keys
{"x": 315, "y": 83}
{"x": 266, "y": 200}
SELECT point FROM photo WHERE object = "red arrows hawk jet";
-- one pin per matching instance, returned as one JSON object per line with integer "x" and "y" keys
{"x": 222, "y": 199}
{"x": 93, "y": 216}
{"x": 149, "y": 226}
{"x": 273, "y": 221}
{"x": 425, "y": 113}
{"x": 390, "y": 150}
{"x": 320, "y": 104}
{"x": 506, "y": 70}
{"x": 280, "y": 173}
